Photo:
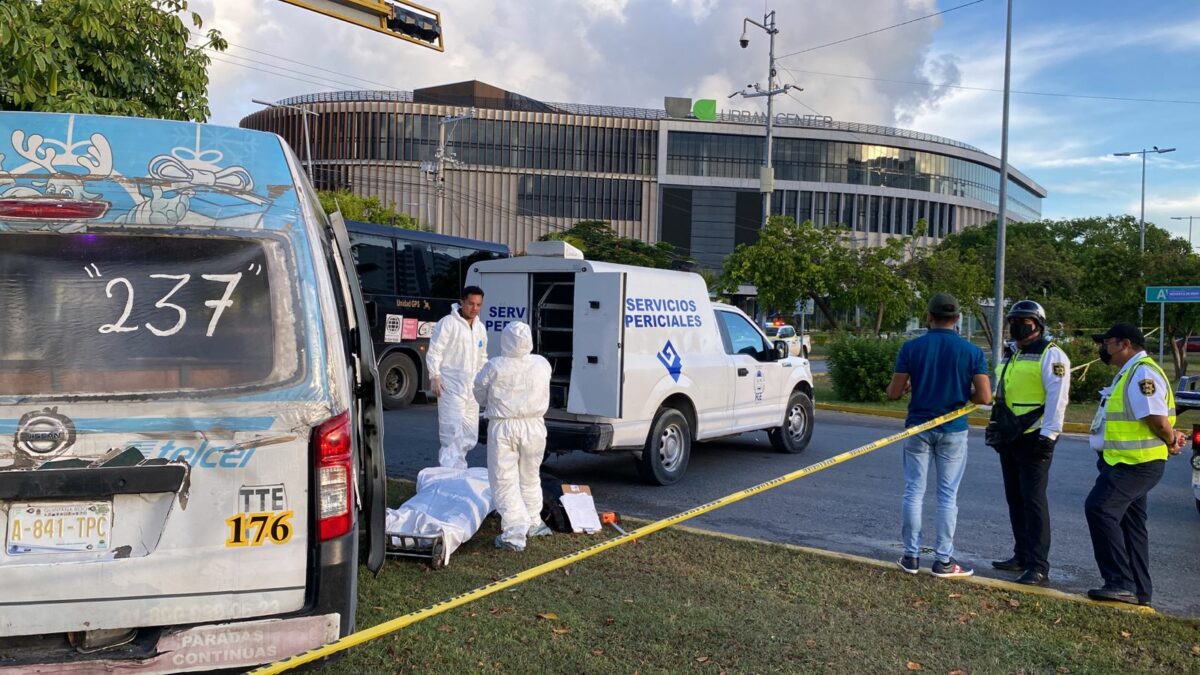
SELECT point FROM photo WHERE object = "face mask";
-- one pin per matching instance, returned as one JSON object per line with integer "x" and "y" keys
{"x": 1105, "y": 357}
{"x": 1019, "y": 330}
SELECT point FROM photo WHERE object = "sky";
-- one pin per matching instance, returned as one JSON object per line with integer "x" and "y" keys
{"x": 635, "y": 52}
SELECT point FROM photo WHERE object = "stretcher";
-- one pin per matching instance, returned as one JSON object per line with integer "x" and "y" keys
{"x": 448, "y": 509}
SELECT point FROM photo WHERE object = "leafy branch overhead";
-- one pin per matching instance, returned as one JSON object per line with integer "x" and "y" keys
{"x": 108, "y": 57}
{"x": 600, "y": 242}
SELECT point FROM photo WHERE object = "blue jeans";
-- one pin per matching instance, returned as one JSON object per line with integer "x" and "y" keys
{"x": 948, "y": 452}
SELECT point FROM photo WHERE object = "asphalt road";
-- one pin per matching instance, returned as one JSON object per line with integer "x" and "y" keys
{"x": 854, "y": 507}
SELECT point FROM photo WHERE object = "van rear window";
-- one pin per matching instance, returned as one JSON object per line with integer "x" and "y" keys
{"x": 116, "y": 313}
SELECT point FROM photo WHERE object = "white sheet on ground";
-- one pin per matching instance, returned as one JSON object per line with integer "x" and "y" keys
{"x": 450, "y": 502}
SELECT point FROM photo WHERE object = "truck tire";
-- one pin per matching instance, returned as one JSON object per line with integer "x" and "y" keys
{"x": 668, "y": 448}
{"x": 793, "y": 436}
{"x": 397, "y": 380}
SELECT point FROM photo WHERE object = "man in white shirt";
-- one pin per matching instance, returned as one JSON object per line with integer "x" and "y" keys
{"x": 457, "y": 351}
{"x": 1134, "y": 433}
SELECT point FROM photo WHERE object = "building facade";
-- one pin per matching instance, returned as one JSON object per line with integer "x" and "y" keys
{"x": 516, "y": 168}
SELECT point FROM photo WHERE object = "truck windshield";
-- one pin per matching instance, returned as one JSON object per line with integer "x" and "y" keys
{"x": 132, "y": 313}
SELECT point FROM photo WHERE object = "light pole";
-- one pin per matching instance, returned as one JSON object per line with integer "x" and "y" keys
{"x": 304, "y": 117}
{"x": 1191, "y": 248}
{"x": 767, "y": 177}
{"x": 1002, "y": 215}
{"x": 1142, "y": 217}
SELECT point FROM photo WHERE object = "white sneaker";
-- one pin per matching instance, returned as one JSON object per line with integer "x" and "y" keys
{"x": 508, "y": 545}
{"x": 539, "y": 530}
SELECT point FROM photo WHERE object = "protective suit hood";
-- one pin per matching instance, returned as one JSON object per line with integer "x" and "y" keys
{"x": 516, "y": 341}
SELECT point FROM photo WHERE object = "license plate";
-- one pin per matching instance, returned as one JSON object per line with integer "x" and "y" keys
{"x": 58, "y": 527}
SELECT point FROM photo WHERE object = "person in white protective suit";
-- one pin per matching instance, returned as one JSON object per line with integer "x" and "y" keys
{"x": 457, "y": 350}
{"x": 514, "y": 389}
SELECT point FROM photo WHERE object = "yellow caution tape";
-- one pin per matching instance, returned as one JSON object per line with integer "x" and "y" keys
{"x": 400, "y": 622}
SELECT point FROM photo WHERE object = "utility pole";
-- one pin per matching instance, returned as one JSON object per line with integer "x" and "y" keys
{"x": 767, "y": 177}
{"x": 1002, "y": 215}
{"x": 304, "y": 113}
{"x": 435, "y": 170}
{"x": 1191, "y": 248}
{"x": 1142, "y": 214}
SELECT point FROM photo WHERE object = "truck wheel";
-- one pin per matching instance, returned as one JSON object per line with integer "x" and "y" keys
{"x": 796, "y": 431}
{"x": 668, "y": 448}
{"x": 398, "y": 380}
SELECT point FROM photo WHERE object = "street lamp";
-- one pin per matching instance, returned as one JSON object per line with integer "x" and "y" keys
{"x": 1189, "y": 219}
{"x": 1142, "y": 217}
{"x": 767, "y": 178}
{"x": 307, "y": 146}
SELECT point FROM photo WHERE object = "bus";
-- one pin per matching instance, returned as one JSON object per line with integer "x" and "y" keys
{"x": 409, "y": 280}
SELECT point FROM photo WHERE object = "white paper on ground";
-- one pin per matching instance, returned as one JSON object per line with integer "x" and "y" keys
{"x": 450, "y": 502}
{"x": 581, "y": 510}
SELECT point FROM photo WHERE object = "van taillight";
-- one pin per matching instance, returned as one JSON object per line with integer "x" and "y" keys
{"x": 1196, "y": 436}
{"x": 335, "y": 464}
{"x": 41, "y": 208}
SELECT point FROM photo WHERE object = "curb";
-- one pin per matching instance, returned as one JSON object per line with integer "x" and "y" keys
{"x": 1068, "y": 427}
{"x": 989, "y": 582}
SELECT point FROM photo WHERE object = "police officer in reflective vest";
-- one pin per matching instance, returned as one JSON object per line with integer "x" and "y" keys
{"x": 1033, "y": 384}
{"x": 1134, "y": 432}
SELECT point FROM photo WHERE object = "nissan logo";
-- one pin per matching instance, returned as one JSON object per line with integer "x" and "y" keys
{"x": 45, "y": 432}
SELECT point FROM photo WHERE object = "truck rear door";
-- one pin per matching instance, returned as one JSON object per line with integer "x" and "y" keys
{"x": 597, "y": 368}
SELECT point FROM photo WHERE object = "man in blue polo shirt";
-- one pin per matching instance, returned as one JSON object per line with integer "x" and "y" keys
{"x": 944, "y": 372}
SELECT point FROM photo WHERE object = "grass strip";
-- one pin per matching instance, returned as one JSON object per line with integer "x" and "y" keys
{"x": 682, "y": 601}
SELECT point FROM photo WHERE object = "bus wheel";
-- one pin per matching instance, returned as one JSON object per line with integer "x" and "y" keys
{"x": 398, "y": 378}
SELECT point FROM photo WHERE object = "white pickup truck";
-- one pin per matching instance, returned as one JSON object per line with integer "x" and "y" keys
{"x": 642, "y": 360}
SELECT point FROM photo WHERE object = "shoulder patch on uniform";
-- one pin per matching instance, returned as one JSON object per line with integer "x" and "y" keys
{"x": 1060, "y": 369}
{"x": 1147, "y": 386}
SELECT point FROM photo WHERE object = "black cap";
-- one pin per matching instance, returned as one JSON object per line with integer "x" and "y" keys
{"x": 943, "y": 304}
{"x": 1122, "y": 331}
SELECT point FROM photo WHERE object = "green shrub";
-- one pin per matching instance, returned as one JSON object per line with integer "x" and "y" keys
{"x": 861, "y": 367}
{"x": 1087, "y": 382}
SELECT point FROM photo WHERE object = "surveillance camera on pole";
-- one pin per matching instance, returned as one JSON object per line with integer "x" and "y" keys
{"x": 767, "y": 178}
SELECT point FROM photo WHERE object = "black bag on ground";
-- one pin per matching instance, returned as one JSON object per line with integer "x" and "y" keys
{"x": 553, "y": 513}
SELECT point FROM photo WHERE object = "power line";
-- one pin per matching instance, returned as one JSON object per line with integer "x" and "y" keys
{"x": 271, "y": 72}
{"x": 880, "y": 30}
{"x": 299, "y": 63}
{"x": 311, "y": 76}
{"x": 989, "y": 89}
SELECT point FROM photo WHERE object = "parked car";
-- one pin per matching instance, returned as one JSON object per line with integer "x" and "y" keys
{"x": 1193, "y": 343}
{"x": 797, "y": 345}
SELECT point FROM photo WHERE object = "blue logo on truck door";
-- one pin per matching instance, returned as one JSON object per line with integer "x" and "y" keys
{"x": 671, "y": 361}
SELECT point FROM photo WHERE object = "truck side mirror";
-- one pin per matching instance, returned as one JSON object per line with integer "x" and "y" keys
{"x": 781, "y": 350}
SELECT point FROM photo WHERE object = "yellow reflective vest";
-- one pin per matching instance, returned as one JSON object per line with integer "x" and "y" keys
{"x": 1128, "y": 440}
{"x": 1021, "y": 386}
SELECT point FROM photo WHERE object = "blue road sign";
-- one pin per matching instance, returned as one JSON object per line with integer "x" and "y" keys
{"x": 1173, "y": 294}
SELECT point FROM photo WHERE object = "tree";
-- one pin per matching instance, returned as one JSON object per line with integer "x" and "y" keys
{"x": 790, "y": 261}
{"x": 600, "y": 242}
{"x": 961, "y": 273}
{"x": 364, "y": 209}
{"x": 110, "y": 57}
{"x": 873, "y": 278}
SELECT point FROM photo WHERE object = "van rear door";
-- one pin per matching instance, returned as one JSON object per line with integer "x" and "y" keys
{"x": 597, "y": 369}
{"x": 369, "y": 405}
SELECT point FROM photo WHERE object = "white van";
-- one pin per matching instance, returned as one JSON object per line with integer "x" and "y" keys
{"x": 642, "y": 360}
{"x": 189, "y": 427}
